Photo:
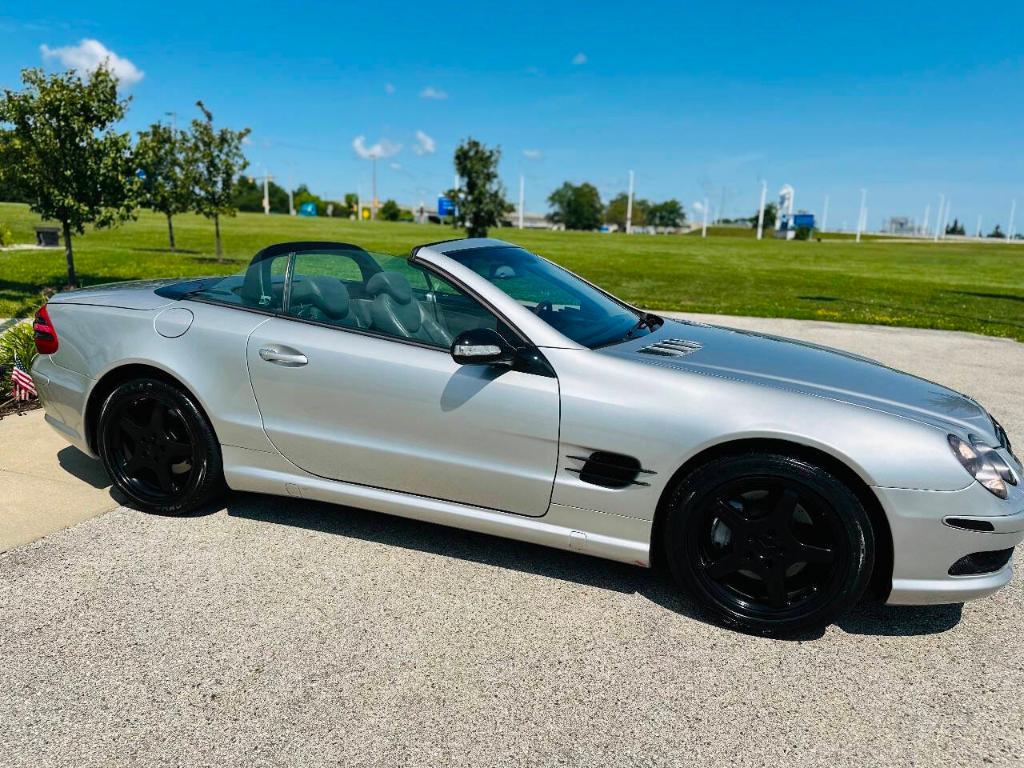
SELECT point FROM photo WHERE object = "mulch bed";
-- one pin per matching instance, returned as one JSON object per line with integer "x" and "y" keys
{"x": 14, "y": 408}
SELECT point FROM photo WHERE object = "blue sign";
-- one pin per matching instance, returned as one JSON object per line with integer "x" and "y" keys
{"x": 141, "y": 174}
{"x": 445, "y": 206}
{"x": 803, "y": 220}
{"x": 307, "y": 209}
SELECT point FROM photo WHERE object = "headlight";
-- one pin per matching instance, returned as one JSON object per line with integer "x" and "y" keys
{"x": 984, "y": 464}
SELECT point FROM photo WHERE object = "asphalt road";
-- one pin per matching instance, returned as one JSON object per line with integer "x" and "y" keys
{"x": 279, "y": 632}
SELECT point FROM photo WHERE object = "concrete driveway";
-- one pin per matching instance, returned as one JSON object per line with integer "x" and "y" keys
{"x": 278, "y": 632}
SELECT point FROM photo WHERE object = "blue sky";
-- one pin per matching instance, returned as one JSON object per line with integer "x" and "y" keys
{"x": 905, "y": 99}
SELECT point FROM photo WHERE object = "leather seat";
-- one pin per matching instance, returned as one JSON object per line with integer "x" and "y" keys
{"x": 395, "y": 311}
{"x": 323, "y": 299}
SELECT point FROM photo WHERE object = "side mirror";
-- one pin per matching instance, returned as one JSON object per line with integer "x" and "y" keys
{"x": 481, "y": 346}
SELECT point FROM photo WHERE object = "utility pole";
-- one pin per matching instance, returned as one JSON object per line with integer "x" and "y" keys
{"x": 291, "y": 195}
{"x": 824, "y": 216}
{"x": 373, "y": 190}
{"x": 522, "y": 198}
{"x": 862, "y": 219}
{"x": 704, "y": 228}
{"x": 938, "y": 216}
{"x": 267, "y": 178}
{"x": 760, "y": 210}
{"x": 945, "y": 218}
{"x": 927, "y": 214}
{"x": 1013, "y": 214}
{"x": 629, "y": 207}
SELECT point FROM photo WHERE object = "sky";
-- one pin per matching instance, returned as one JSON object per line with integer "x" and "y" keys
{"x": 906, "y": 100}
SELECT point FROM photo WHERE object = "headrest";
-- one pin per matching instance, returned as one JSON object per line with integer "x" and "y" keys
{"x": 327, "y": 294}
{"x": 393, "y": 284}
{"x": 252, "y": 291}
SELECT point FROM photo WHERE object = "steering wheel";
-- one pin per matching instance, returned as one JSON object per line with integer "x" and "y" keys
{"x": 543, "y": 308}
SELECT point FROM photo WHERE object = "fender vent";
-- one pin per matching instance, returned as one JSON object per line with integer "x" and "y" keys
{"x": 671, "y": 348}
{"x": 981, "y": 562}
{"x": 609, "y": 470}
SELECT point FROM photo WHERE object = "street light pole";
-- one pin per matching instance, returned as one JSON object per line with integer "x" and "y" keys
{"x": 629, "y": 207}
{"x": 704, "y": 228}
{"x": 1013, "y": 213}
{"x": 863, "y": 213}
{"x": 824, "y": 216}
{"x": 760, "y": 210}
{"x": 373, "y": 190}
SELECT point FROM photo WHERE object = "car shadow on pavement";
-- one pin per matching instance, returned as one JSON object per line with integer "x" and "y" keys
{"x": 86, "y": 469}
{"x": 655, "y": 584}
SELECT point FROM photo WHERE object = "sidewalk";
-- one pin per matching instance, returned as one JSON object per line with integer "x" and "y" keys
{"x": 45, "y": 484}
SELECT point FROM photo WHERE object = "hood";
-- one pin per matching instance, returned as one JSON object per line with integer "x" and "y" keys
{"x": 808, "y": 368}
{"x": 132, "y": 294}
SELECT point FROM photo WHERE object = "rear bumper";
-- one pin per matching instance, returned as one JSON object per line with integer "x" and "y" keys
{"x": 63, "y": 394}
{"x": 925, "y": 547}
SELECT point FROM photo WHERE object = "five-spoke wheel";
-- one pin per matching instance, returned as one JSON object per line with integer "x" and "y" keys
{"x": 158, "y": 447}
{"x": 771, "y": 543}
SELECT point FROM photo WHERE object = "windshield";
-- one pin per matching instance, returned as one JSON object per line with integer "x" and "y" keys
{"x": 572, "y": 307}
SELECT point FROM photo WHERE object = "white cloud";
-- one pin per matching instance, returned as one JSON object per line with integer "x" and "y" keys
{"x": 87, "y": 56}
{"x": 579, "y": 59}
{"x": 532, "y": 154}
{"x": 395, "y": 166}
{"x": 389, "y": 88}
{"x": 425, "y": 145}
{"x": 430, "y": 92}
{"x": 383, "y": 148}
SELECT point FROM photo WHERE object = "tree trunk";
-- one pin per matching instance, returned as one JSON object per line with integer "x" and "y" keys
{"x": 69, "y": 254}
{"x": 170, "y": 230}
{"x": 216, "y": 229}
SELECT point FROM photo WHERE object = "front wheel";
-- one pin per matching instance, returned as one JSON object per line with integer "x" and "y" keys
{"x": 158, "y": 447}
{"x": 772, "y": 544}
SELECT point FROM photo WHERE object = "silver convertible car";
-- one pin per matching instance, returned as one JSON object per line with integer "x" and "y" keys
{"x": 477, "y": 385}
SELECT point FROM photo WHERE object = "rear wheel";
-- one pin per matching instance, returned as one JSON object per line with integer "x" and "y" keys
{"x": 770, "y": 543}
{"x": 158, "y": 447}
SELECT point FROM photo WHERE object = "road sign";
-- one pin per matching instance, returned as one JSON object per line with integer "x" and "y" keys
{"x": 445, "y": 206}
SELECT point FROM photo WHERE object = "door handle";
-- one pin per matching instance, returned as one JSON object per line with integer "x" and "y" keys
{"x": 287, "y": 359}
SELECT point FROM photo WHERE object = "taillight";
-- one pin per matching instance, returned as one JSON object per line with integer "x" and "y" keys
{"x": 45, "y": 334}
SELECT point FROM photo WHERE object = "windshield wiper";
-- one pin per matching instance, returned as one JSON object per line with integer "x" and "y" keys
{"x": 647, "y": 320}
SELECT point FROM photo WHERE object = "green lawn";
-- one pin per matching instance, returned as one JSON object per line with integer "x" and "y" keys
{"x": 971, "y": 287}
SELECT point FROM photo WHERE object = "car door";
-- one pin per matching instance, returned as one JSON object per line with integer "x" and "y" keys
{"x": 352, "y": 401}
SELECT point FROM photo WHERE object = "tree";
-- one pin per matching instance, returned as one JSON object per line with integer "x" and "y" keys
{"x": 213, "y": 159}
{"x": 997, "y": 233}
{"x": 390, "y": 211}
{"x": 160, "y": 156}
{"x": 618, "y": 206}
{"x": 480, "y": 202}
{"x": 956, "y": 228}
{"x": 771, "y": 213}
{"x": 577, "y": 207}
{"x": 352, "y": 203}
{"x": 667, "y": 214}
{"x": 302, "y": 195}
{"x": 248, "y": 195}
{"x": 62, "y": 153}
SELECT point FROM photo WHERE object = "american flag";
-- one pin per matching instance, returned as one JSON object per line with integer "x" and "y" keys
{"x": 22, "y": 386}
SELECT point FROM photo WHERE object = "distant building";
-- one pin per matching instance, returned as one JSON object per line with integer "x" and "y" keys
{"x": 900, "y": 225}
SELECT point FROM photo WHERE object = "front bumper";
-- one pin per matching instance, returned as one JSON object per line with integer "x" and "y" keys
{"x": 925, "y": 547}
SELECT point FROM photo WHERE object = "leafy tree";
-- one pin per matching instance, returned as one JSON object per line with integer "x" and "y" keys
{"x": 771, "y": 213}
{"x": 577, "y": 207}
{"x": 618, "y": 206}
{"x": 248, "y": 196}
{"x": 160, "y": 155}
{"x": 997, "y": 233}
{"x": 390, "y": 211}
{"x": 352, "y": 203}
{"x": 956, "y": 228}
{"x": 213, "y": 159}
{"x": 302, "y": 195}
{"x": 480, "y": 202}
{"x": 62, "y": 153}
{"x": 667, "y": 214}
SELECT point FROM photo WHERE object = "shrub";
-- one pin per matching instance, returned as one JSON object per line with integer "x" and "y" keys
{"x": 20, "y": 339}
{"x": 6, "y": 238}
{"x": 803, "y": 233}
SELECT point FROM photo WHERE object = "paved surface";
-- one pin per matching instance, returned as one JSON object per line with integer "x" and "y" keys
{"x": 45, "y": 484}
{"x": 279, "y": 632}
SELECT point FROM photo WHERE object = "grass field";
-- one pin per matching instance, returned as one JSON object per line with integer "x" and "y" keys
{"x": 960, "y": 286}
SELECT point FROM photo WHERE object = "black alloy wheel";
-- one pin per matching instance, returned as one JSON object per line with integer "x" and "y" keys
{"x": 770, "y": 543}
{"x": 158, "y": 447}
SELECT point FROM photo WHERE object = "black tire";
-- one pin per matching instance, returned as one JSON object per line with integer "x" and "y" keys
{"x": 158, "y": 447}
{"x": 769, "y": 543}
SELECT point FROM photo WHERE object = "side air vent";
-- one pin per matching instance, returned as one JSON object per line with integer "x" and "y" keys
{"x": 671, "y": 348}
{"x": 609, "y": 470}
